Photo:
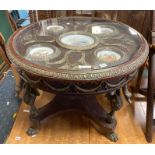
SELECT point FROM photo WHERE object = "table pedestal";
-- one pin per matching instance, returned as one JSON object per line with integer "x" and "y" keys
{"x": 86, "y": 105}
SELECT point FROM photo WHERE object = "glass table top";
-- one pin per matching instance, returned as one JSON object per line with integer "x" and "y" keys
{"x": 77, "y": 44}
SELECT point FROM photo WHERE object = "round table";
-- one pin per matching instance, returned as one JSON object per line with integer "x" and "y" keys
{"x": 77, "y": 58}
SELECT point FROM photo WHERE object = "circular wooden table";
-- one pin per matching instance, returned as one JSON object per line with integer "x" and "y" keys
{"x": 77, "y": 58}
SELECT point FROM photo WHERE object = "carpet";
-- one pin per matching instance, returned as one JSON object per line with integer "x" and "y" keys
{"x": 9, "y": 105}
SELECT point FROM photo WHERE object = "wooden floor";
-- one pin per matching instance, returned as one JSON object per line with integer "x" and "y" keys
{"x": 70, "y": 128}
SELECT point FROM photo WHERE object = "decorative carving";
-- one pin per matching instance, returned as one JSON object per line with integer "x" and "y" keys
{"x": 85, "y": 105}
{"x": 30, "y": 95}
{"x": 78, "y": 87}
{"x": 115, "y": 100}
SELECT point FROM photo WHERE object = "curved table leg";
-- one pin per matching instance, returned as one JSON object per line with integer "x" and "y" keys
{"x": 115, "y": 100}
{"x": 86, "y": 105}
{"x": 30, "y": 95}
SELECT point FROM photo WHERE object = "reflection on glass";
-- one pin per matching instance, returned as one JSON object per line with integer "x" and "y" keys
{"x": 55, "y": 28}
{"x": 132, "y": 31}
{"x": 103, "y": 65}
{"x": 101, "y": 30}
{"x": 84, "y": 66}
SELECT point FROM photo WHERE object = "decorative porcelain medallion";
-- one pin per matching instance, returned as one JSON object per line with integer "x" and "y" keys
{"x": 103, "y": 30}
{"x": 77, "y": 40}
{"x": 41, "y": 52}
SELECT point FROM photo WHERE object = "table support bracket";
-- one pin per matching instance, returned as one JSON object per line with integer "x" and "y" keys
{"x": 86, "y": 105}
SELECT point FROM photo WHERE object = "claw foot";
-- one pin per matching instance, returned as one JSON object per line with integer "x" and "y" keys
{"x": 31, "y": 131}
{"x": 113, "y": 137}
